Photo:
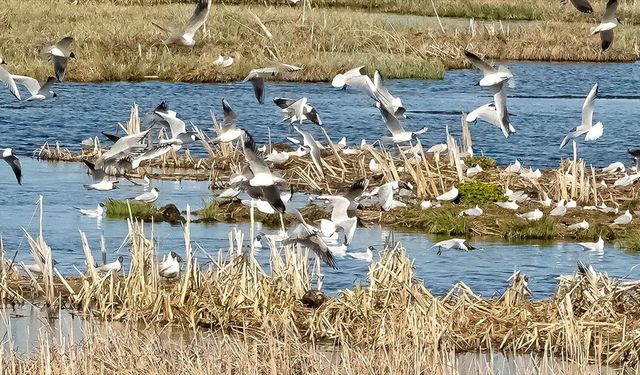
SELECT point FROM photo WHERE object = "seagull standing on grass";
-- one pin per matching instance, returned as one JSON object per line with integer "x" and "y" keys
{"x": 183, "y": 36}
{"x": 8, "y": 156}
{"x": 623, "y": 219}
{"x": 559, "y": 209}
{"x": 258, "y": 76}
{"x": 148, "y": 197}
{"x": 534, "y": 215}
{"x": 454, "y": 243}
{"x": 583, "y": 225}
{"x": 59, "y": 53}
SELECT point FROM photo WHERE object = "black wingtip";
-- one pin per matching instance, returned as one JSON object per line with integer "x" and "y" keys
{"x": 89, "y": 164}
{"x": 162, "y": 107}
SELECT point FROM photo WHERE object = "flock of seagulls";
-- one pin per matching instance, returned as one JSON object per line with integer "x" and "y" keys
{"x": 268, "y": 191}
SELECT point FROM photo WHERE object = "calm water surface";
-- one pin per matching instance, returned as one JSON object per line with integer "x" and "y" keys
{"x": 546, "y": 103}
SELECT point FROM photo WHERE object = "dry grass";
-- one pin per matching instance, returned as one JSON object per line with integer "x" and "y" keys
{"x": 325, "y": 42}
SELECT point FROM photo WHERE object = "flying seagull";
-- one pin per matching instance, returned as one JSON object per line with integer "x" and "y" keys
{"x": 179, "y": 134}
{"x": 37, "y": 92}
{"x": 491, "y": 76}
{"x": 101, "y": 181}
{"x": 340, "y": 220}
{"x": 342, "y": 80}
{"x": 257, "y": 77}
{"x": 262, "y": 176}
{"x": 59, "y": 53}
{"x": 355, "y": 191}
{"x": 592, "y": 132}
{"x": 606, "y": 26}
{"x": 398, "y": 134}
{"x": 314, "y": 149}
{"x": 7, "y": 79}
{"x": 298, "y": 110}
{"x": 310, "y": 237}
{"x": 490, "y": 114}
{"x": 7, "y": 155}
{"x": 183, "y": 36}
{"x": 581, "y": 5}
{"x": 229, "y": 130}
{"x": 454, "y": 243}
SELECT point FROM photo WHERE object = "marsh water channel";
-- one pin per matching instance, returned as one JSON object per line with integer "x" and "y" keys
{"x": 545, "y": 104}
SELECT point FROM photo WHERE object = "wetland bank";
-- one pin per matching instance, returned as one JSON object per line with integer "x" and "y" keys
{"x": 245, "y": 303}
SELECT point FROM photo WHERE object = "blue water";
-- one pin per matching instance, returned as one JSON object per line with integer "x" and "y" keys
{"x": 486, "y": 271}
{"x": 545, "y": 104}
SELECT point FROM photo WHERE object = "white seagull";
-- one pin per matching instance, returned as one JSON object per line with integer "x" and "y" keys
{"x": 314, "y": 149}
{"x": 614, "y": 167}
{"x": 593, "y": 246}
{"x": 114, "y": 266}
{"x": 59, "y": 53}
{"x": 606, "y": 26}
{"x": 514, "y": 168}
{"x": 367, "y": 256}
{"x": 449, "y": 195}
{"x": 340, "y": 220}
{"x": 490, "y": 114}
{"x": 148, "y": 197}
{"x": 491, "y": 76}
{"x": 508, "y": 205}
{"x": 623, "y": 219}
{"x": 229, "y": 131}
{"x": 398, "y": 134}
{"x": 93, "y": 213}
{"x": 474, "y": 211}
{"x": 583, "y": 225}
{"x": 7, "y": 79}
{"x": 257, "y": 77}
{"x": 8, "y": 156}
{"x": 532, "y": 215}
{"x": 474, "y": 170}
{"x": 592, "y": 132}
{"x": 559, "y": 210}
{"x": 37, "y": 92}
{"x": 183, "y": 36}
{"x": 454, "y": 243}
{"x": 170, "y": 265}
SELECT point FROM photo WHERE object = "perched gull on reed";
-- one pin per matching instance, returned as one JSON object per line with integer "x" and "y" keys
{"x": 257, "y": 77}
{"x": 514, "y": 168}
{"x": 8, "y": 156}
{"x": 183, "y": 36}
{"x": 509, "y": 205}
{"x": 59, "y": 53}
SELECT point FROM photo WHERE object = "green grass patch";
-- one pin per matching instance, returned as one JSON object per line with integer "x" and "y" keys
{"x": 444, "y": 220}
{"x": 120, "y": 210}
{"x": 631, "y": 241}
{"x": 472, "y": 193}
{"x": 519, "y": 229}
{"x": 484, "y": 162}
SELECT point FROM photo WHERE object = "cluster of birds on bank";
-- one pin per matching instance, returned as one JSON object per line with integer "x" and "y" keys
{"x": 268, "y": 191}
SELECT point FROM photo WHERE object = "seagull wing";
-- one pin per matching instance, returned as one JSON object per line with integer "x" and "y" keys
{"x": 362, "y": 83}
{"x": 124, "y": 144}
{"x": 479, "y": 63}
{"x": 198, "y": 18}
{"x": 8, "y": 81}
{"x": 256, "y": 163}
{"x": 393, "y": 124}
{"x": 582, "y": 5}
{"x": 311, "y": 239}
{"x": 283, "y": 102}
{"x": 610, "y": 12}
{"x": 588, "y": 106}
{"x": 31, "y": 84}
{"x": 15, "y": 165}
{"x": 229, "y": 119}
{"x": 60, "y": 66}
{"x": 595, "y": 132}
{"x": 64, "y": 44}
{"x": 176, "y": 125}
{"x": 356, "y": 189}
{"x": 606, "y": 39}
{"x": 258, "y": 88}
{"x": 500, "y": 100}
{"x": 272, "y": 195}
{"x": 340, "y": 206}
{"x": 47, "y": 85}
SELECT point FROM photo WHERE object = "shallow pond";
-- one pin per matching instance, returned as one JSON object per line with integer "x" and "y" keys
{"x": 545, "y": 104}
{"x": 485, "y": 271}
